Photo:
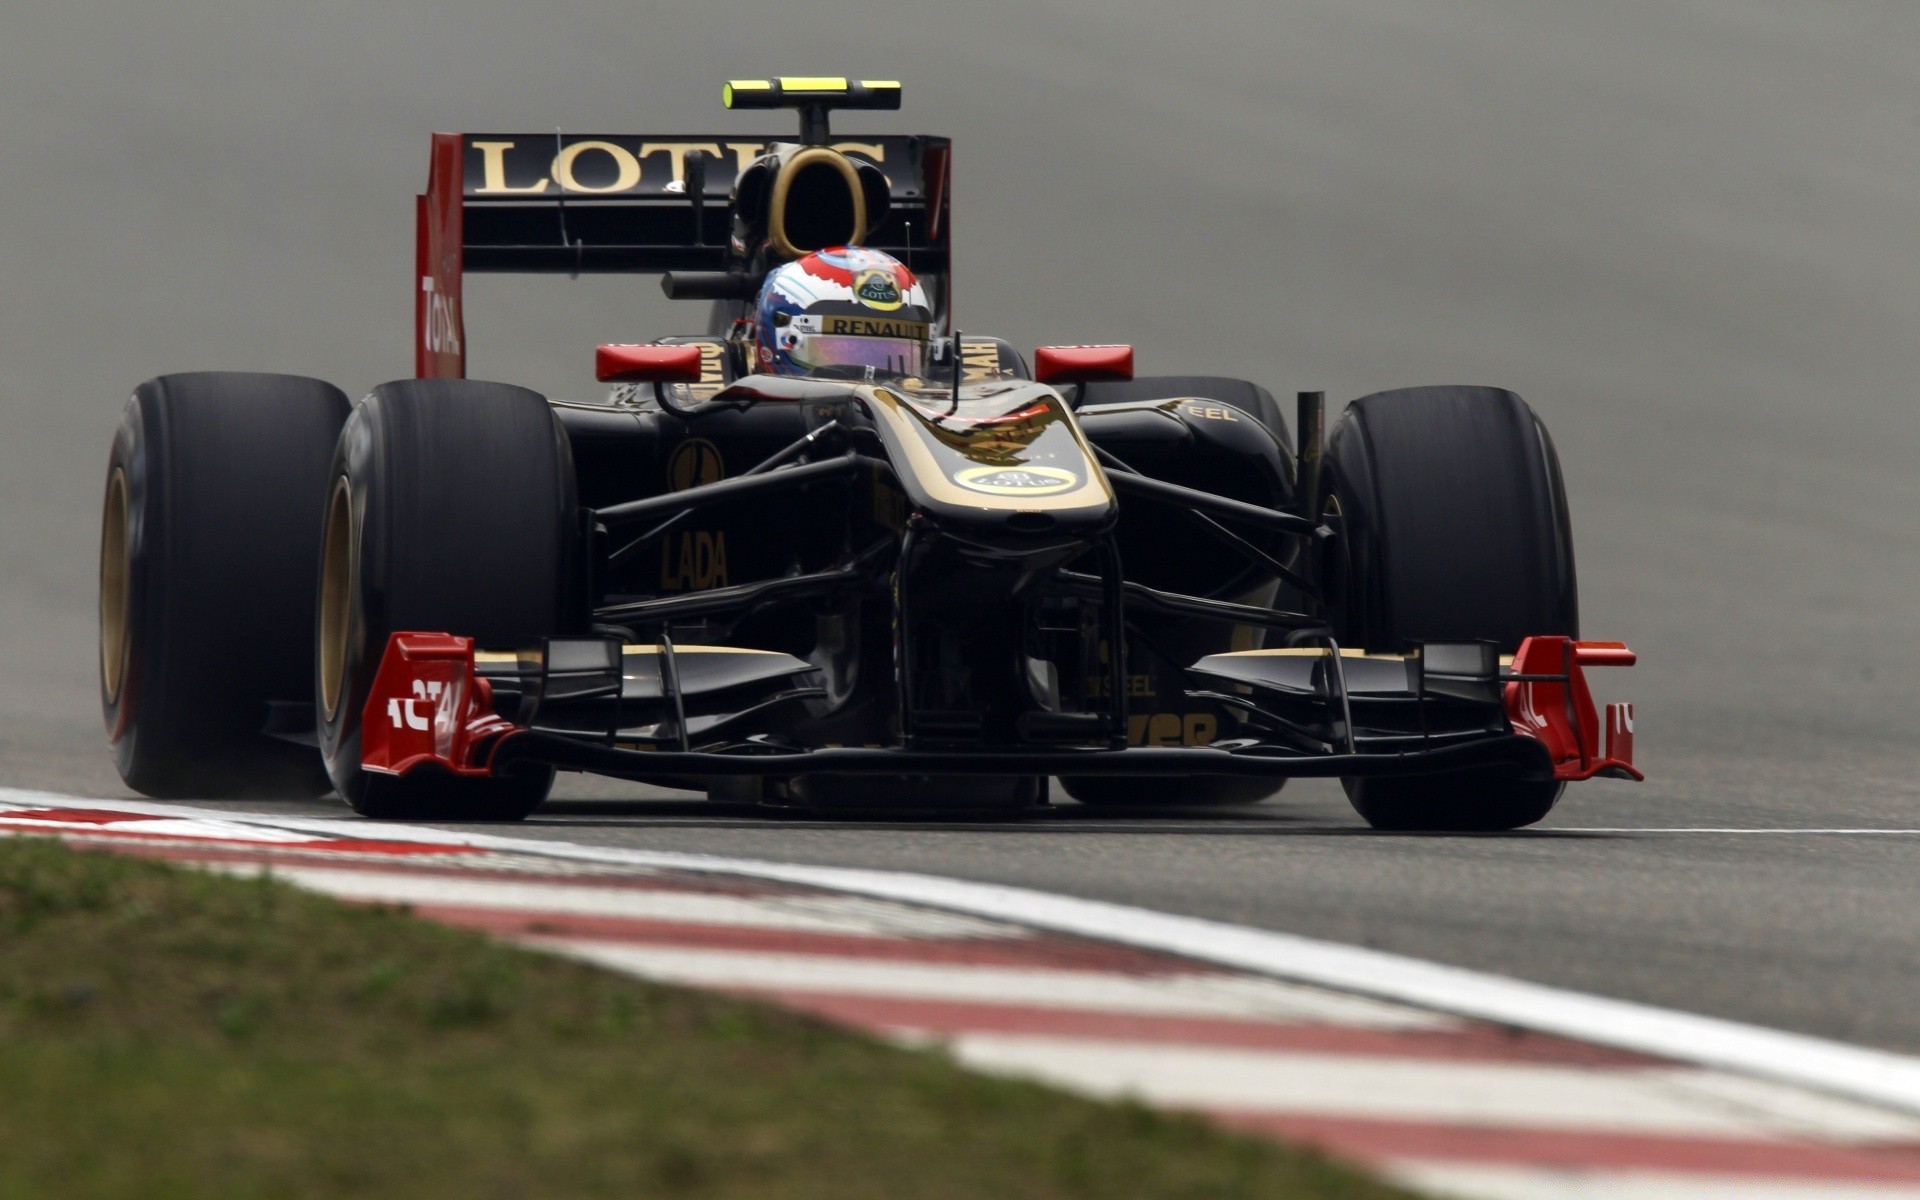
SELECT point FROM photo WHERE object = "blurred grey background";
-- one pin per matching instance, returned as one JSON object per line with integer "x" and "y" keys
{"x": 1688, "y": 231}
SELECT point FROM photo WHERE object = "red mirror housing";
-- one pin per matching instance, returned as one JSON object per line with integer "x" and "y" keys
{"x": 1083, "y": 364}
{"x": 647, "y": 364}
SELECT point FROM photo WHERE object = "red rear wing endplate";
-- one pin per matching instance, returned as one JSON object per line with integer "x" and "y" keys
{"x": 439, "y": 328}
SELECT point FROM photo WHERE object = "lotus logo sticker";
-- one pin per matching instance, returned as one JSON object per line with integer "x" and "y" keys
{"x": 1017, "y": 481}
{"x": 877, "y": 289}
{"x": 695, "y": 462}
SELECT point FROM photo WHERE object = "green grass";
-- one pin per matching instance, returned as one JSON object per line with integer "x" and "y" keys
{"x": 169, "y": 1033}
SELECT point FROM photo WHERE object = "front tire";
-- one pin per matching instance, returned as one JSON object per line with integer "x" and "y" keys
{"x": 1461, "y": 802}
{"x": 451, "y": 509}
{"x": 215, "y": 490}
{"x": 1455, "y": 529}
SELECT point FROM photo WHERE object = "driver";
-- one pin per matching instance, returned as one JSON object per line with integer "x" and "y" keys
{"x": 844, "y": 313}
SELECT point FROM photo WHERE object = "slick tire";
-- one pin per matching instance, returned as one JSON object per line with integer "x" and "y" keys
{"x": 1463, "y": 802}
{"x": 215, "y": 489}
{"x": 450, "y": 508}
{"x": 1455, "y": 528}
{"x": 1107, "y": 791}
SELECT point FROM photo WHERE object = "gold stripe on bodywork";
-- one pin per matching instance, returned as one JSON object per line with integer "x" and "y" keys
{"x": 1308, "y": 652}
{"x": 1506, "y": 660}
{"x": 631, "y": 648}
{"x": 506, "y": 657}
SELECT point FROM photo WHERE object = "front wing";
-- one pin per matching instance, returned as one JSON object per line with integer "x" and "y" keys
{"x": 432, "y": 707}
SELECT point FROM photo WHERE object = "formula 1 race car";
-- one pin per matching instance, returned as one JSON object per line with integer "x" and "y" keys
{"x": 830, "y": 553}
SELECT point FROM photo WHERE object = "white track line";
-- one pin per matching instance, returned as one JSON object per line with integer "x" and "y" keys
{"x": 1540, "y": 1183}
{"x": 1874, "y": 1076}
{"x": 1197, "y": 995}
{"x": 1734, "y": 829}
{"x": 849, "y": 916}
{"x": 1670, "y": 1101}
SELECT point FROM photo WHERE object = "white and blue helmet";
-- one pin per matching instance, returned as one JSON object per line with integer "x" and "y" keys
{"x": 847, "y": 312}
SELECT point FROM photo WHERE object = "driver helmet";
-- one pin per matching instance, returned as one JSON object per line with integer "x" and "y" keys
{"x": 844, "y": 312}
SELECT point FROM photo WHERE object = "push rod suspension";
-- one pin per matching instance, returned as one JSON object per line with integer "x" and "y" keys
{"x": 743, "y": 596}
{"x": 1223, "y": 534}
{"x": 1207, "y": 502}
{"x": 1153, "y": 600}
{"x": 728, "y": 599}
{"x": 737, "y": 488}
{"x": 791, "y": 451}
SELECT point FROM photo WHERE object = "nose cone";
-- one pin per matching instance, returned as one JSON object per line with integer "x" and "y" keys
{"x": 1008, "y": 462}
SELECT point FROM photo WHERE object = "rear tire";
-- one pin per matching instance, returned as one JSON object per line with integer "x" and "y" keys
{"x": 215, "y": 489}
{"x": 451, "y": 509}
{"x": 1455, "y": 529}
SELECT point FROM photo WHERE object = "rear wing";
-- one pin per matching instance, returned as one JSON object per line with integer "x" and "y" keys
{"x": 612, "y": 203}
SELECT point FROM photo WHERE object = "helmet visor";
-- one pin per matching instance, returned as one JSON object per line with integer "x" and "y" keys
{"x": 887, "y": 356}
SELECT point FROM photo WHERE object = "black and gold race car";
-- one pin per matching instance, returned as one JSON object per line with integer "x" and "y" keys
{"x": 937, "y": 590}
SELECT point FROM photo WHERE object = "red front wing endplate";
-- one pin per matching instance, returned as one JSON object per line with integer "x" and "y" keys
{"x": 1548, "y": 700}
{"x": 428, "y": 705}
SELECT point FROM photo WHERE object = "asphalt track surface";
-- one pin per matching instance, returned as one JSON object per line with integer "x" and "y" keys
{"x": 1686, "y": 231}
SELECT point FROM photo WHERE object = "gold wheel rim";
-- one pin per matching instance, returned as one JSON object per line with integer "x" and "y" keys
{"x": 115, "y": 587}
{"x": 336, "y": 598}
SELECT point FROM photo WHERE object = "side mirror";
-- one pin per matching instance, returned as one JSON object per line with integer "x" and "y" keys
{"x": 647, "y": 364}
{"x": 1083, "y": 364}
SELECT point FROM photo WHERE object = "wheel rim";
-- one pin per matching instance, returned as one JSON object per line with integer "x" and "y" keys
{"x": 115, "y": 585}
{"x": 336, "y": 598}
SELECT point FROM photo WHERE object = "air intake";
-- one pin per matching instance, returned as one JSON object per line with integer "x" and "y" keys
{"x": 818, "y": 201}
